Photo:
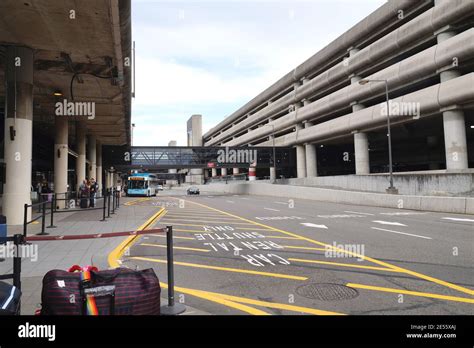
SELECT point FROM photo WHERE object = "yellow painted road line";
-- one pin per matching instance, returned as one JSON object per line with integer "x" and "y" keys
{"x": 278, "y": 305}
{"x": 174, "y": 237}
{"x": 174, "y": 247}
{"x": 282, "y": 237}
{"x": 200, "y": 217}
{"x": 343, "y": 265}
{"x": 114, "y": 256}
{"x": 254, "y": 229}
{"x": 209, "y": 221}
{"x": 197, "y": 214}
{"x": 137, "y": 201}
{"x": 303, "y": 248}
{"x": 238, "y": 299}
{"x": 226, "y": 269}
{"x": 412, "y": 293}
{"x": 208, "y": 296}
{"x": 380, "y": 263}
{"x": 192, "y": 231}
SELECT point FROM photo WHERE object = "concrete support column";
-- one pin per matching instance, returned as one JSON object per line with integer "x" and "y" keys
{"x": 99, "y": 168}
{"x": 92, "y": 155}
{"x": 272, "y": 174}
{"x": 455, "y": 141}
{"x": 300, "y": 156}
{"x": 81, "y": 154}
{"x": 18, "y": 132}
{"x": 214, "y": 172}
{"x": 311, "y": 161}
{"x": 61, "y": 159}
{"x": 224, "y": 171}
{"x": 361, "y": 149}
{"x": 252, "y": 174}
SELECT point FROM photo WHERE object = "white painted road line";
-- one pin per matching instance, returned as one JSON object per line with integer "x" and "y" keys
{"x": 403, "y": 213}
{"x": 285, "y": 203}
{"x": 458, "y": 219}
{"x": 388, "y": 223}
{"x": 271, "y": 209}
{"x": 230, "y": 201}
{"x": 407, "y": 234}
{"x": 309, "y": 224}
{"x": 244, "y": 198}
{"x": 356, "y": 212}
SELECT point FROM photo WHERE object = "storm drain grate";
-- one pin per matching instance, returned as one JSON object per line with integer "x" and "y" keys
{"x": 327, "y": 292}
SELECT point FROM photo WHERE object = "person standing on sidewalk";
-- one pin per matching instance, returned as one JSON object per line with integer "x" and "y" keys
{"x": 83, "y": 194}
{"x": 93, "y": 192}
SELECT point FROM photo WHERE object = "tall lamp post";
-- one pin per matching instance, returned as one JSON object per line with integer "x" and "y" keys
{"x": 391, "y": 188}
{"x": 133, "y": 127}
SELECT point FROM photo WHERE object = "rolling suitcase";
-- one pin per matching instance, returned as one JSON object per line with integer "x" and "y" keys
{"x": 84, "y": 202}
{"x": 120, "y": 291}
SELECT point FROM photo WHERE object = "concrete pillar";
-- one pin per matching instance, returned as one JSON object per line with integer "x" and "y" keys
{"x": 61, "y": 159}
{"x": 92, "y": 156}
{"x": 214, "y": 172}
{"x": 224, "y": 171}
{"x": 18, "y": 151}
{"x": 194, "y": 129}
{"x": 300, "y": 156}
{"x": 252, "y": 174}
{"x": 455, "y": 141}
{"x": 361, "y": 150}
{"x": 235, "y": 171}
{"x": 311, "y": 162}
{"x": 81, "y": 154}
{"x": 272, "y": 174}
{"x": 99, "y": 168}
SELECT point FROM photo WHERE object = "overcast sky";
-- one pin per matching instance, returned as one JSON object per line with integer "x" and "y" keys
{"x": 211, "y": 57}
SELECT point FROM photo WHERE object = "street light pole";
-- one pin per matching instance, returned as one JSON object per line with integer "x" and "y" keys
{"x": 391, "y": 188}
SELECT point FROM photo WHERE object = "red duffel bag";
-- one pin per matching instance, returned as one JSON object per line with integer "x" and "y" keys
{"x": 87, "y": 291}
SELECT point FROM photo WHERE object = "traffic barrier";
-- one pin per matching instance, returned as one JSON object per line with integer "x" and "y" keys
{"x": 42, "y": 206}
{"x": 53, "y": 209}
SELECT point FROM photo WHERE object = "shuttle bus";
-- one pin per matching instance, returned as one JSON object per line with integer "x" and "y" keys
{"x": 142, "y": 184}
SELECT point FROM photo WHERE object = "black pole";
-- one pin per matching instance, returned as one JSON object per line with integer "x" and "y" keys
{"x": 53, "y": 203}
{"x": 17, "y": 240}
{"x": 43, "y": 220}
{"x": 113, "y": 201}
{"x": 172, "y": 308}
{"x": 104, "y": 206}
{"x": 25, "y": 220}
{"x": 108, "y": 203}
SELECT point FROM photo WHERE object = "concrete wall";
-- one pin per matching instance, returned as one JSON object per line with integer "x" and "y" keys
{"x": 407, "y": 184}
{"x": 457, "y": 205}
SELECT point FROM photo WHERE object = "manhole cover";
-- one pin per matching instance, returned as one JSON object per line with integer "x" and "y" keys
{"x": 327, "y": 292}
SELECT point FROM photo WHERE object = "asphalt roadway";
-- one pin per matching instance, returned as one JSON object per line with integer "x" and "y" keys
{"x": 239, "y": 254}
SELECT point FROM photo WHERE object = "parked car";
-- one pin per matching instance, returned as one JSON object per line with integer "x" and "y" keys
{"x": 160, "y": 187}
{"x": 193, "y": 190}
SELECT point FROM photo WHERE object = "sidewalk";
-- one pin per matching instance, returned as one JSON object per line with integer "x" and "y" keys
{"x": 63, "y": 254}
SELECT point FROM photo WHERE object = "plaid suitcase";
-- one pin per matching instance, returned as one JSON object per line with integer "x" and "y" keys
{"x": 120, "y": 291}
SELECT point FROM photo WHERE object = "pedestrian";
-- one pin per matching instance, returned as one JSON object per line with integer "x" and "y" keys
{"x": 83, "y": 194}
{"x": 93, "y": 192}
